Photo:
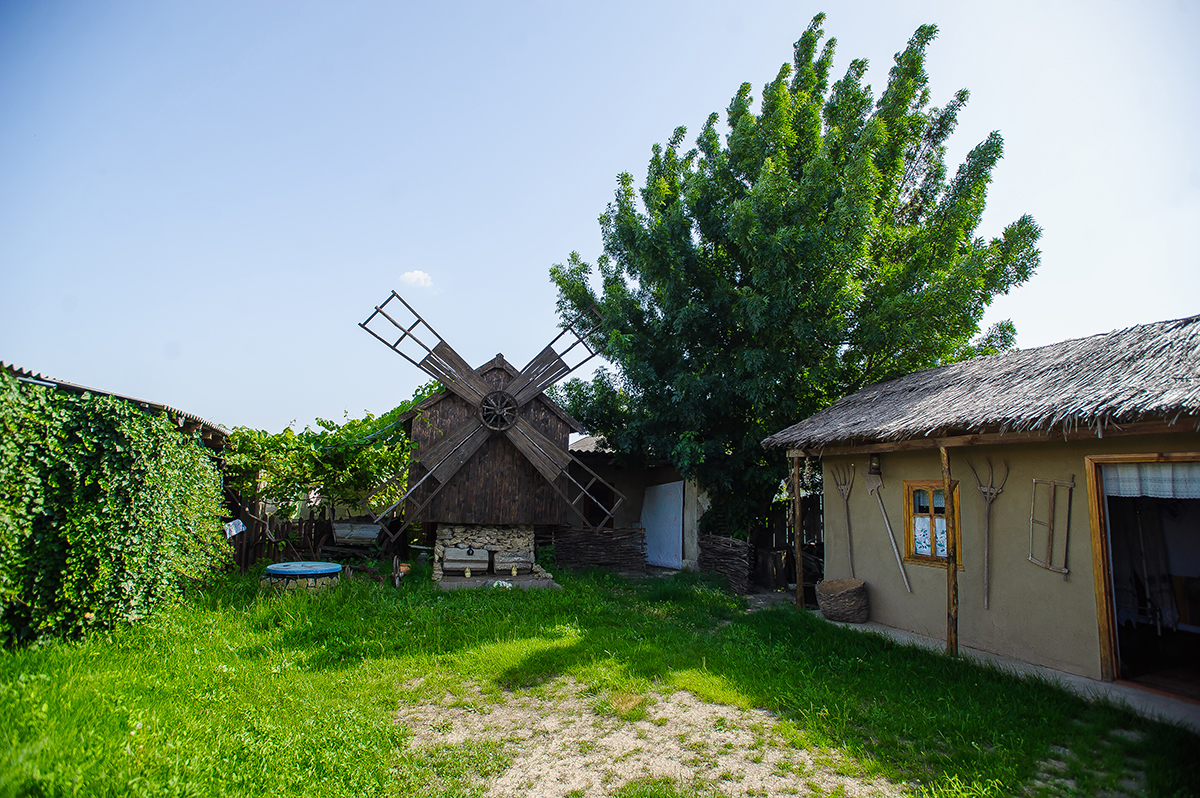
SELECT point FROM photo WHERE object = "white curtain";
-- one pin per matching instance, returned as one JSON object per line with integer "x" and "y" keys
{"x": 1138, "y": 546}
{"x": 1160, "y": 480}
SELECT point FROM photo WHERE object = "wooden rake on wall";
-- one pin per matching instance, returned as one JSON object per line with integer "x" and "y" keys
{"x": 498, "y": 412}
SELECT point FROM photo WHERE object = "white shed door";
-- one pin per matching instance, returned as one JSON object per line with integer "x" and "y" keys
{"x": 662, "y": 516}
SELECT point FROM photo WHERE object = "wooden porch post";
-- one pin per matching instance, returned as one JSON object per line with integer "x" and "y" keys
{"x": 951, "y": 560}
{"x": 796, "y": 529}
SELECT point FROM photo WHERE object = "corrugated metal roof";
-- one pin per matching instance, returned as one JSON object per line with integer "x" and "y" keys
{"x": 25, "y": 375}
{"x": 589, "y": 444}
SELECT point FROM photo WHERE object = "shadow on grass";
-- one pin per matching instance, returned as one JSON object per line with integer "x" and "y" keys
{"x": 903, "y": 712}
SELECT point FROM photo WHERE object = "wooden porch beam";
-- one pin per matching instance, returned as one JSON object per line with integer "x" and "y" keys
{"x": 1183, "y": 424}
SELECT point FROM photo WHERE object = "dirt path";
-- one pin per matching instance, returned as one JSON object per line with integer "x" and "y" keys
{"x": 565, "y": 743}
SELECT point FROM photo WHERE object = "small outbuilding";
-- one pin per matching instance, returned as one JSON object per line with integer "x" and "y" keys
{"x": 657, "y": 499}
{"x": 1074, "y": 474}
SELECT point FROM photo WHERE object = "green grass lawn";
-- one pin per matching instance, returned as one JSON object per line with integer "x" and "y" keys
{"x": 237, "y": 693}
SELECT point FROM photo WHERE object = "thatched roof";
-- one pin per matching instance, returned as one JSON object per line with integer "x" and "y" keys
{"x": 1148, "y": 372}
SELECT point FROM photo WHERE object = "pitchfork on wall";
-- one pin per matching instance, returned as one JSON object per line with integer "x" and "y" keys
{"x": 990, "y": 491}
{"x": 844, "y": 479}
{"x": 498, "y": 411}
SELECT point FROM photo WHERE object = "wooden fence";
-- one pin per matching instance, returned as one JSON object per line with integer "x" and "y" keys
{"x": 768, "y": 559}
{"x": 281, "y": 541}
{"x": 728, "y": 557}
{"x": 622, "y": 550}
{"x": 275, "y": 539}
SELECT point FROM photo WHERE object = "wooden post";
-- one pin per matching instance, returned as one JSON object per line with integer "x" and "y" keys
{"x": 951, "y": 560}
{"x": 796, "y": 530}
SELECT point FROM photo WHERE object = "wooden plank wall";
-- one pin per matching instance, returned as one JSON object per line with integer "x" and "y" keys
{"x": 498, "y": 485}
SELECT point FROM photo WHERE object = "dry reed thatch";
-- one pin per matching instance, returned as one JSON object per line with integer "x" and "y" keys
{"x": 1147, "y": 372}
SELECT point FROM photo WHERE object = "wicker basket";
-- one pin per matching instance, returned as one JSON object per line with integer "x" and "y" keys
{"x": 843, "y": 600}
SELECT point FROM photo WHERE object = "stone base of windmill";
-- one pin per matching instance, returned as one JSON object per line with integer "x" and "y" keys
{"x": 467, "y": 555}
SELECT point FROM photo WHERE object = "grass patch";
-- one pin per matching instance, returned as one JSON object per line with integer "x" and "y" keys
{"x": 624, "y": 704}
{"x": 665, "y": 788}
{"x": 235, "y": 693}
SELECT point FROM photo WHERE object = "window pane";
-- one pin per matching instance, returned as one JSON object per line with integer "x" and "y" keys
{"x": 939, "y": 502}
{"x": 921, "y": 542}
{"x": 941, "y": 536}
{"x": 921, "y": 501}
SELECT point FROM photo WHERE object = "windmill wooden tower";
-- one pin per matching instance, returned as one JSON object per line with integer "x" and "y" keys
{"x": 492, "y": 457}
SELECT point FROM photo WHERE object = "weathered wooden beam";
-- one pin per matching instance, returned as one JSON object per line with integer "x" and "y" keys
{"x": 951, "y": 558}
{"x": 796, "y": 531}
{"x": 1182, "y": 424}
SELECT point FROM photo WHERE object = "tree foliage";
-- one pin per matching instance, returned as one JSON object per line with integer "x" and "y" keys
{"x": 105, "y": 512}
{"x": 819, "y": 247}
{"x": 333, "y": 465}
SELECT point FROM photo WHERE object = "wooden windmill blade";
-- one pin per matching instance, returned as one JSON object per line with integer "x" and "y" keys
{"x": 441, "y": 462}
{"x": 556, "y": 361}
{"x": 420, "y": 344}
{"x": 553, "y": 462}
{"x": 498, "y": 411}
{"x": 455, "y": 449}
{"x": 550, "y": 460}
{"x": 585, "y": 492}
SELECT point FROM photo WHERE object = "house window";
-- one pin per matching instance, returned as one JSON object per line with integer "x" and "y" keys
{"x": 925, "y": 523}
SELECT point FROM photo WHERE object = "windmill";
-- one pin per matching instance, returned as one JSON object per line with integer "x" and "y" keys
{"x": 497, "y": 402}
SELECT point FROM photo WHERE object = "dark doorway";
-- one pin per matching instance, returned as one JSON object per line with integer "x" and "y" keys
{"x": 1155, "y": 560}
{"x": 596, "y": 513}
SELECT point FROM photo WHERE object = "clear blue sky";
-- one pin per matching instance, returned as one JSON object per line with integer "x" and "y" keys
{"x": 200, "y": 201}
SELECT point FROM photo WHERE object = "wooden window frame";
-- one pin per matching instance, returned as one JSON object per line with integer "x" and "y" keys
{"x": 910, "y": 554}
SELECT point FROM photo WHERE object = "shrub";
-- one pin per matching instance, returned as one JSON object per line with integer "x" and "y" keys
{"x": 106, "y": 512}
{"x": 335, "y": 465}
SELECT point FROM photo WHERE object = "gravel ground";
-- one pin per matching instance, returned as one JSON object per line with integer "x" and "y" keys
{"x": 565, "y": 742}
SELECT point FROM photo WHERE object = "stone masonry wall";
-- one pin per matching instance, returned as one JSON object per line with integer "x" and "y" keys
{"x": 512, "y": 545}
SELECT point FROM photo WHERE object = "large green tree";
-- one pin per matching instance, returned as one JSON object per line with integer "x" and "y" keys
{"x": 818, "y": 247}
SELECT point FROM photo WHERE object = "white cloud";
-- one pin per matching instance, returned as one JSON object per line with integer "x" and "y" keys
{"x": 418, "y": 278}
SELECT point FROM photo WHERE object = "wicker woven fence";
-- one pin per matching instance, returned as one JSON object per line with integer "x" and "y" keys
{"x": 729, "y": 557}
{"x": 614, "y": 549}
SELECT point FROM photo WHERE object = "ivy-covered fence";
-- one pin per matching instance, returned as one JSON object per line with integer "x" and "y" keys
{"x": 106, "y": 512}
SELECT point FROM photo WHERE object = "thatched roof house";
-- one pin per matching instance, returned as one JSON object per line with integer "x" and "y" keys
{"x": 1064, "y": 484}
{"x": 1096, "y": 385}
